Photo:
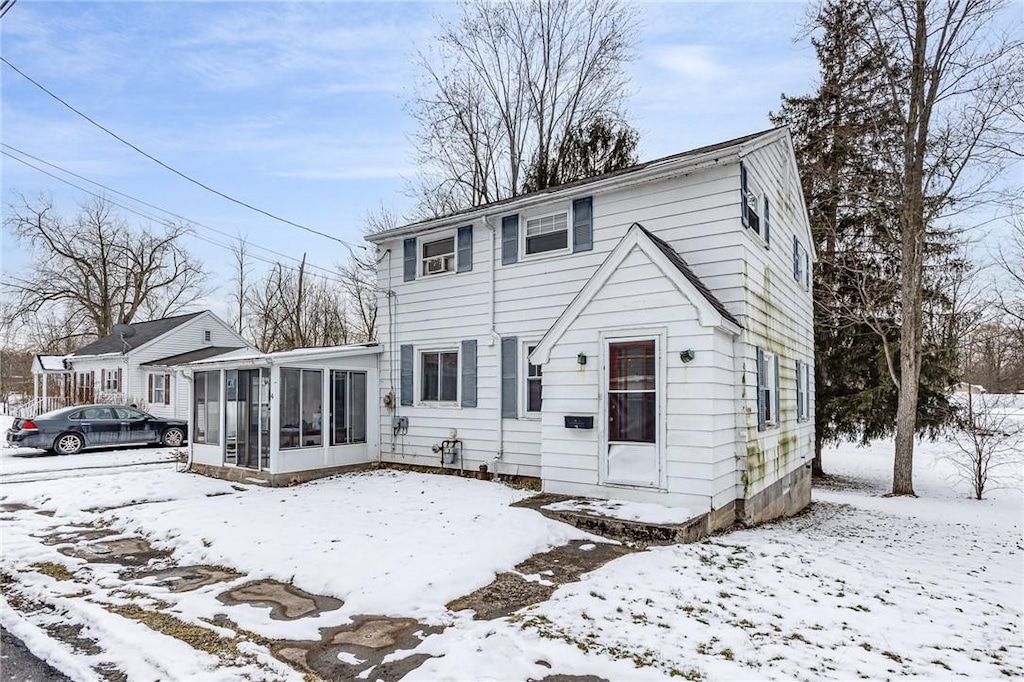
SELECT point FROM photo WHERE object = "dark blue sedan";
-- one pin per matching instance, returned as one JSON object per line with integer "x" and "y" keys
{"x": 70, "y": 429}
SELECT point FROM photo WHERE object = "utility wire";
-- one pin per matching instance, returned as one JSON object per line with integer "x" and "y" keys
{"x": 332, "y": 278}
{"x": 177, "y": 172}
{"x": 139, "y": 201}
{"x": 5, "y": 7}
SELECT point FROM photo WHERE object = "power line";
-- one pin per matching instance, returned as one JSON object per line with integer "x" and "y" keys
{"x": 177, "y": 172}
{"x": 135, "y": 199}
{"x": 333, "y": 276}
{"x": 5, "y": 7}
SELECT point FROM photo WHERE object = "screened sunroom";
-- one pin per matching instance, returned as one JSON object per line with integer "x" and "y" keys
{"x": 284, "y": 417}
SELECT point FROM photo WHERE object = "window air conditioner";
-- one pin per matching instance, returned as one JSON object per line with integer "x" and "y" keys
{"x": 435, "y": 265}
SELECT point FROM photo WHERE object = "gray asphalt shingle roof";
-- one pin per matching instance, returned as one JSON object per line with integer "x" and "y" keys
{"x": 144, "y": 333}
{"x": 191, "y": 356}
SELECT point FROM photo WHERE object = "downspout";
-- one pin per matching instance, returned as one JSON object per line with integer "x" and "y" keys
{"x": 495, "y": 342}
{"x": 187, "y": 375}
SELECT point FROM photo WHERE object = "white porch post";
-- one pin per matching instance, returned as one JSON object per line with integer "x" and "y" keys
{"x": 45, "y": 394}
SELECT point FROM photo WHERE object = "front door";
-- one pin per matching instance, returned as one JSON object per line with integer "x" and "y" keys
{"x": 633, "y": 456}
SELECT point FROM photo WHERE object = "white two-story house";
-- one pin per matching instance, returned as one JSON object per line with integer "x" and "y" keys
{"x": 643, "y": 335}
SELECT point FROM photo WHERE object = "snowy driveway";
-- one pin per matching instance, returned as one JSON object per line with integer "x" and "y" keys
{"x": 862, "y": 585}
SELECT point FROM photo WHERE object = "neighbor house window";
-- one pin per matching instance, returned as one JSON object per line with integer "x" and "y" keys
{"x": 111, "y": 379}
{"x": 159, "y": 389}
{"x": 301, "y": 407}
{"x": 439, "y": 378}
{"x": 206, "y": 336}
{"x": 348, "y": 407}
{"x": 206, "y": 407}
{"x": 547, "y": 233}
{"x": 533, "y": 384}
{"x": 438, "y": 256}
{"x": 767, "y": 389}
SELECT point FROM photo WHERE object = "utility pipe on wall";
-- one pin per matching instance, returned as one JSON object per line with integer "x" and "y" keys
{"x": 495, "y": 338}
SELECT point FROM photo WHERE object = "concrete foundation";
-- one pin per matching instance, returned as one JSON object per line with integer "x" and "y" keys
{"x": 274, "y": 480}
{"x": 786, "y": 497}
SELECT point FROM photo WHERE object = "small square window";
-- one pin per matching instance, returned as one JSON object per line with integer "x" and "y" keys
{"x": 438, "y": 256}
{"x": 547, "y": 233}
{"x": 439, "y": 379}
{"x": 206, "y": 336}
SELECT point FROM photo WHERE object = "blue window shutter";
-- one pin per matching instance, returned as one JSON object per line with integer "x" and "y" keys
{"x": 406, "y": 386}
{"x": 465, "y": 249}
{"x": 744, "y": 215}
{"x": 469, "y": 373}
{"x": 767, "y": 223}
{"x": 509, "y": 239}
{"x": 761, "y": 382}
{"x": 509, "y": 377}
{"x": 796, "y": 258}
{"x": 807, "y": 268}
{"x": 778, "y": 394}
{"x": 583, "y": 224}
{"x": 410, "y": 259}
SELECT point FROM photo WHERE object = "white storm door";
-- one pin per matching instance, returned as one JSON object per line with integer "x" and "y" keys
{"x": 634, "y": 456}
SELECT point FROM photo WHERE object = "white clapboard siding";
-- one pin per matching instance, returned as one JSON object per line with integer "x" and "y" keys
{"x": 710, "y": 407}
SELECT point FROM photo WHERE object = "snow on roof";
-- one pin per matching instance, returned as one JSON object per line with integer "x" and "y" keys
{"x": 51, "y": 363}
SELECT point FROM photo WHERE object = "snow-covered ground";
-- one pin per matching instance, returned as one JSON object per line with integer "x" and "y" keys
{"x": 860, "y": 586}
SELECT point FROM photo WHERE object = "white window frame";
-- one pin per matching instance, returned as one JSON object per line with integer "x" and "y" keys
{"x": 803, "y": 266}
{"x": 159, "y": 382}
{"x": 110, "y": 382}
{"x": 418, "y": 376}
{"x": 207, "y": 336}
{"x": 803, "y": 396}
{"x": 771, "y": 389}
{"x": 524, "y": 388}
{"x": 422, "y": 243}
{"x": 548, "y": 212}
{"x": 756, "y": 195}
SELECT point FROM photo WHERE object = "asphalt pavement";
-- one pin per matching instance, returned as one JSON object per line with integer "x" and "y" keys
{"x": 17, "y": 664}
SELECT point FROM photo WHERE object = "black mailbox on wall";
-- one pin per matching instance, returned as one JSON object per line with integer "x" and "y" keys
{"x": 578, "y": 422}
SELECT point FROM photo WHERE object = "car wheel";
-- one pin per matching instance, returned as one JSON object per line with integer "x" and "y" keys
{"x": 172, "y": 437}
{"x": 68, "y": 444}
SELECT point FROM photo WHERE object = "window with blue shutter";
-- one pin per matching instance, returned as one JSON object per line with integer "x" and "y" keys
{"x": 469, "y": 373}
{"x": 583, "y": 224}
{"x": 509, "y": 239}
{"x": 410, "y": 259}
{"x": 406, "y": 386}
{"x": 777, "y": 394}
{"x": 465, "y": 249}
{"x": 509, "y": 378}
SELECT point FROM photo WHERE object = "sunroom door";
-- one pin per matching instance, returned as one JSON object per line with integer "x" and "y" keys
{"x": 633, "y": 456}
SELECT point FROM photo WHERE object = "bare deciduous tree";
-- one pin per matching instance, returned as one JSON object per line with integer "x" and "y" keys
{"x": 987, "y": 442}
{"x": 953, "y": 78}
{"x": 97, "y": 269}
{"x": 291, "y": 308}
{"x": 241, "y": 282}
{"x": 506, "y": 84}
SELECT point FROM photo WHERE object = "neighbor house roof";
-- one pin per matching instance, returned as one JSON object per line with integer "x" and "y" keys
{"x": 191, "y": 356}
{"x": 243, "y": 355}
{"x": 51, "y": 363}
{"x": 144, "y": 333}
{"x": 680, "y": 160}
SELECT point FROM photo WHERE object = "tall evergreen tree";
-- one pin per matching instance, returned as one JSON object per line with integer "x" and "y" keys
{"x": 840, "y": 134}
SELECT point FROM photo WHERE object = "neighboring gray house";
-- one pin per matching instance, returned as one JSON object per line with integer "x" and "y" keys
{"x": 138, "y": 368}
{"x": 643, "y": 335}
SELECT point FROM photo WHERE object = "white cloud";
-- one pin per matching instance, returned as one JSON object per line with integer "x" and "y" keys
{"x": 696, "y": 62}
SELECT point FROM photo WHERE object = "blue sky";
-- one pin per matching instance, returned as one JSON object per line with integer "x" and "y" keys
{"x": 298, "y": 108}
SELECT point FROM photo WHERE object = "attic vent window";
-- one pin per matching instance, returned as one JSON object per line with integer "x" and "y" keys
{"x": 206, "y": 336}
{"x": 438, "y": 256}
{"x": 547, "y": 233}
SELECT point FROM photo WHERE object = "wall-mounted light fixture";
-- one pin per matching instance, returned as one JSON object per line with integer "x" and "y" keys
{"x": 686, "y": 355}
{"x": 581, "y": 359}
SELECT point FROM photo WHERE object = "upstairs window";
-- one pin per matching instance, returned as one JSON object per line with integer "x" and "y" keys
{"x": 801, "y": 264}
{"x": 438, "y": 257}
{"x": 753, "y": 206}
{"x": 547, "y": 233}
